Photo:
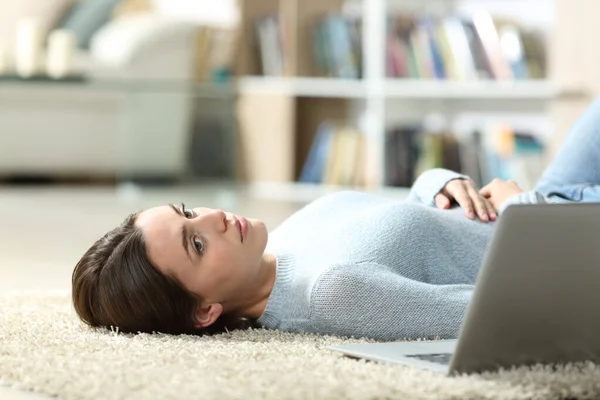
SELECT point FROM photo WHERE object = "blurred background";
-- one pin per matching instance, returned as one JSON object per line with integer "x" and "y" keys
{"x": 260, "y": 106}
{"x": 288, "y": 95}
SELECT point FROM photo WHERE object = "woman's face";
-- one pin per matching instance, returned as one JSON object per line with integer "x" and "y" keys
{"x": 211, "y": 252}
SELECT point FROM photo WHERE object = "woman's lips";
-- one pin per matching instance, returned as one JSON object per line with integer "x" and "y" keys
{"x": 242, "y": 225}
{"x": 244, "y": 228}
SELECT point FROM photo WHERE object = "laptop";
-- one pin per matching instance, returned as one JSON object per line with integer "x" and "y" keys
{"x": 536, "y": 298}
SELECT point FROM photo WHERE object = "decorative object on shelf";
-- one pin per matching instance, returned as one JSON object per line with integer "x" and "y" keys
{"x": 29, "y": 48}
{"x": 62, "y": 45}
{"x": 215, "y": 53}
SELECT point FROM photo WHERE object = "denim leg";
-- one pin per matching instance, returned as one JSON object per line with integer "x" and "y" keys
{"x": 576, "y": 167}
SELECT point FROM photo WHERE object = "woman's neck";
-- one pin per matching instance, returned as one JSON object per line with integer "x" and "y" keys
{"x": 254, "y": 307}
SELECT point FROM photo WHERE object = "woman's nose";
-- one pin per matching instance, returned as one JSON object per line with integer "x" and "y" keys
{"x": 215, "y": 217}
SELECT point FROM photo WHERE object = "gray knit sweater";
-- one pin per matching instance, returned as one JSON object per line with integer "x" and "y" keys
{"x": 355, "y": 264}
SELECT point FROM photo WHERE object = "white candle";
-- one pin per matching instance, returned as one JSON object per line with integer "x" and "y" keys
{"x": 62, "y": 45}
{"x": 29, "y": 48}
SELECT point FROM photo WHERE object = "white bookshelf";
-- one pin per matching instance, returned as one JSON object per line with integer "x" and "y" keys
{"x": 370, "y": 97}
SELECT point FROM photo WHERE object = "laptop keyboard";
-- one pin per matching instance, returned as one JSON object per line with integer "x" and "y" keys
{"x": 441, "y": 358}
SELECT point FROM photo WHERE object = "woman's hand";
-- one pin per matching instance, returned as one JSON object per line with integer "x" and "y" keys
{"x": 497, "y": 191}
{"x": 466, "y": 195}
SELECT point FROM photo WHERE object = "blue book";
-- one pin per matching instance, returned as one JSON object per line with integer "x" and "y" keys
{"x": 436, "y": 55}
{"x": 314, "y": 166}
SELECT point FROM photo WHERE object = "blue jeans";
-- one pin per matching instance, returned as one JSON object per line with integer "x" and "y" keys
{"x": 574, "y": 174}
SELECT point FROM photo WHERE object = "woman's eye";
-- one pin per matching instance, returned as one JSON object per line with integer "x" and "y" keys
{"x": 198, "y": 245}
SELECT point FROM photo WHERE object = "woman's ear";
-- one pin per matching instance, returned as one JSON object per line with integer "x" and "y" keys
{"x": 206, "y": 316}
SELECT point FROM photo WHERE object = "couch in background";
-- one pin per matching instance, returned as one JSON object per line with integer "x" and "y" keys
{"x": 130, "y": 115}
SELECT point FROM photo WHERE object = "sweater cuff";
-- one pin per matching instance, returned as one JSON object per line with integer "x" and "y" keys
{"x": 522, "y": 198}
{"x": 433, "y": 182}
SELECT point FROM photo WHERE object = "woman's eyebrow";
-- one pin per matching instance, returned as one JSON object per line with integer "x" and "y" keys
{"x": 176, "y": 209}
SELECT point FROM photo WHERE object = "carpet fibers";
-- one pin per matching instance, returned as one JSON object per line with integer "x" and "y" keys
{"x": 44, "y": 348}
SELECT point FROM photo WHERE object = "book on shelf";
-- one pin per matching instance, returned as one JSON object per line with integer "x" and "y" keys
{"x": 462, "y": 48}
{"x": 498, "y": 152}
{"x": 336, "y": 156}
{"x": 336, "y": 43}
{"x": 492, "y": 47}
{"x": 401, "y": 152}
{"x": 270, "y": 45}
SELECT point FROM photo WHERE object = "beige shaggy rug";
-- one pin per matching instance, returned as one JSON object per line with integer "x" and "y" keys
{"x": 44, "y": 348}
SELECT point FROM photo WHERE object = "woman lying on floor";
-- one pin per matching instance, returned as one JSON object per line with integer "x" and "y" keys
{"x": 349, "y": 264}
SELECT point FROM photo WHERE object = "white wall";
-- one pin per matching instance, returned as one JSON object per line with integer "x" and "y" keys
{"x": 222, "y": 13}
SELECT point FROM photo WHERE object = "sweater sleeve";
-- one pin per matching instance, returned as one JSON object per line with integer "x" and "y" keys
{"x": 524, "y": 198}
{"x": 430, "y": 183}
{"x": 370, "y": 300}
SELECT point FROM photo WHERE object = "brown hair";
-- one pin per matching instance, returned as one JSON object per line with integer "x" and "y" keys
{"x": 115, "y": 285}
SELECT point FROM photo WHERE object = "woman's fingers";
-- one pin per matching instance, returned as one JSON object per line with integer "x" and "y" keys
{"x": 473, "y": 202}
{"x": 490, "y": 209}
{"x": 485, "y": 201}
{"x": 485, "y": 205}
{"x": 461, "y": 195}
{"x": 479, "y": 203}
{"x": 442, "y": 201}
